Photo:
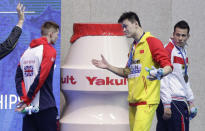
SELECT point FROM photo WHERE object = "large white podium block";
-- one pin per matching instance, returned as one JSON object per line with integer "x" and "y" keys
{"x": 97, "y": 98}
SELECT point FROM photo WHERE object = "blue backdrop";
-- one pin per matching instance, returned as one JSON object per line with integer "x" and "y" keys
{"x": 43, "y": 10}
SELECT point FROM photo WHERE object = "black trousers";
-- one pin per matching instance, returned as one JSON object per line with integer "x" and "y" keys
{"x": 179, "y": 120}
{"x": 42, "y": 121}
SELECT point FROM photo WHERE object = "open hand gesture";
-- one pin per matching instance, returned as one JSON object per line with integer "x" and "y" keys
{"x": 101, "y": 63}
{"x": 20, "y": 10}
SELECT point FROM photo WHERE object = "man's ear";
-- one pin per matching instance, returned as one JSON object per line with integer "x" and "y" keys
{"x": 188, "y": 36}
{"x": 50, "y": 34}
{"x": 173, "y": 35}
{"x": 136, "y": 23}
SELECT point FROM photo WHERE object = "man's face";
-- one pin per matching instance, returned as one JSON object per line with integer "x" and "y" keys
{"x": 180, "y": 36}
{"x": 54, "y": 37}
{"x": 129, "y": 28}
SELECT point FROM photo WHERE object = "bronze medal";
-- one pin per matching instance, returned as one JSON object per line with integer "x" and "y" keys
{"x": 183, "y": 66}
{"x": 186, "y": 78}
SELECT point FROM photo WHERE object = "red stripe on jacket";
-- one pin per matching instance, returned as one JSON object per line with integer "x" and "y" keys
{"x": 49, "y": 56}
{"x": 169, "y": 49}
{"x": 179, "y": 60}
{"x": 24, "y": 97}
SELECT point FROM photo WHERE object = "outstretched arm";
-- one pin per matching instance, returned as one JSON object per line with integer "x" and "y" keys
{"x": 103, "y": 64}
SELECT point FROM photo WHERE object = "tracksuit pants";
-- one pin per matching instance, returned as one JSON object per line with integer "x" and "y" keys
{"x": 42, "y": 121}
{"x": 141, "y": 117}
{"x": 179, "y": 120}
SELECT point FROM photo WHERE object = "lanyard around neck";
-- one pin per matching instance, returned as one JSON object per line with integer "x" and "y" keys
{"x": 133, "y": 50}
{"x": 185, "y": 64}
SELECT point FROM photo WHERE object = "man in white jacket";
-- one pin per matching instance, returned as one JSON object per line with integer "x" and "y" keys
{"x": 176, "y": 96}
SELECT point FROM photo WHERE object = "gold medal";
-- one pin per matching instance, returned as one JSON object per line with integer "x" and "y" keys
{"x": 127, "y": 71}
{"x": 186, "y": 78}
{"x": 135, "y": 61}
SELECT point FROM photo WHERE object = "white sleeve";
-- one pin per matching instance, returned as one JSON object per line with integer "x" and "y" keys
{"x": 165, "y": 93}
{"x": 189, "y": 93}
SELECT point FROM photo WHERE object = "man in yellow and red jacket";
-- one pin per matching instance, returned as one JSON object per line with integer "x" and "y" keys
{"x": 146, "y": 52}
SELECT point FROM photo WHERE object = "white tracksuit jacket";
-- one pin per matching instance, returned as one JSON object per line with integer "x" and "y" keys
{"x": 173, "y": 86}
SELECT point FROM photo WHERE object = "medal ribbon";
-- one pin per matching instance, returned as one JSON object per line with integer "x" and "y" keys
{"x": 134, "y": 44}
{"x": 182, "y": 57}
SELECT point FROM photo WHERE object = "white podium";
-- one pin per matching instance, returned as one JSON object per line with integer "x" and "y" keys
{"x": 97, "y": 98}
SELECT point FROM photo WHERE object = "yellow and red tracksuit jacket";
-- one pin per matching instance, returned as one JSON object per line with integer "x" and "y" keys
{"x": 149, "y": 51}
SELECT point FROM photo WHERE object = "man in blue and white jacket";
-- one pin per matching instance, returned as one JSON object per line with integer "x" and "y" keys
{"x": 176, "y": 96}
{"x": 34, "y": 77}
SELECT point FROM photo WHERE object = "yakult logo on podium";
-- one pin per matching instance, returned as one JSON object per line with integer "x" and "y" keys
{"x": 106, "y": 81}
{"x": 94, "y": 80}
{"x": 68, "y": 80}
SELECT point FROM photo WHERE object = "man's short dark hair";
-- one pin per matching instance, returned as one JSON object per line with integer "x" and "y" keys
{"x": 131, "y": 16}
{"x": 45, "y": 28}
{"x": 182, "y": 25}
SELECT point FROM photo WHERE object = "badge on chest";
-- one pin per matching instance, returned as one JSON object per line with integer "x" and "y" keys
{"x": 135, "y": 69}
